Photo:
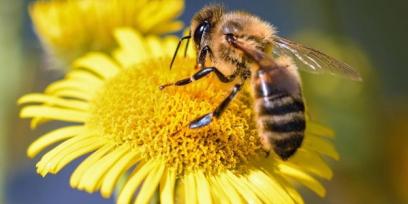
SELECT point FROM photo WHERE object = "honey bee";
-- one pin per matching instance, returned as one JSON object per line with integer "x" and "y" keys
{"x": 237, "y": 46}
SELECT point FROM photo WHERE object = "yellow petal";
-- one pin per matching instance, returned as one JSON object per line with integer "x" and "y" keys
{"x": 94, "y": 174}
{"x": 179, "y": 191}
{"x": 74, "y": 94}
{"x": 132, "y": 46}
{"x": 84, "y": 87}
{"x": 318, "y": 129}
{"x": 170, "y": 44}
{"x": 173, "y": 9}
{"x": 50, "y": 160}
{"x": 53, "y": 113}
{"x": 85, "y": 76}
{"x": 302, "y": 178}
{"x": 150, "y": 185}
{"x": 320, "y": 145}
{"x": 311, "y": 162}
{"x": 203, "y": 188}
{"x": 241, "y": 185}
{"x": 147, "y": 13}
{"x": 168, "y": 26}
{"x": 53, "y": 163}
{"x": 217, "y": 192}
{"x": 120, "y": 167}
{"x": 135, "y": 180}
{"x": 291, "y": 190}
{"x": 36, "y": 121}
{"x": 51, "y": 138}
{"x": 267, "y": 187}
{"x": 68, "y": 143}
{"x": 190, "y": 192}
{"x": 155, "y": 46}
{"x": 167, "y": 186}
{"x": 124, "y": 58}
{"x": 86, "y": 148}
{"x": 52, "y": 100}
{"x": 98, "y": 63}
{"x": 89, "y": 161}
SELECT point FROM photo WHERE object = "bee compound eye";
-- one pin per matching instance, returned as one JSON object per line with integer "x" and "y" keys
{"x": 200, "y": 30}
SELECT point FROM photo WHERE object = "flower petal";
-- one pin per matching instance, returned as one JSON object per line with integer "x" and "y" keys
{"x": 51, "y": 138}
{"x": 113, "y": 175}
{"x": 311, "y": 162}
{"x": 150, "y": 185}
{"x": 318, "y": 129}
{"x": 303, "y": 178}
{"x": 85, "y": 148}
{"x": 75, "y": 94}
{"x": 94, "y": 174}
{"x": 52, "y": 100}
{"x": 220, "y": 195}
{"x": 68, "y": 84}
{"x": 157, "y": 19}
{"x": 49, "y": 162}
{"x": 155, "y": 46}
{"x": 133, "y": 182}
{"x": 89, "y": 161}
{"x": 203, "y": 188}
{"x": 167, "y": 186}
{"x": 170, "y": 26}
{"x": 190, "y": 189}
{"x": 53, "y": 113}
{"x": 132, "y": 47}
{"x": 99, "y": 64}
{"x": 267, "y": 187}
{"x": 86, "y": 76}
{"x": 241, "y": 185}
{"x": 322, "y": 146}
{"x": 297, "y": 198}
{"x": 37, "y": 121}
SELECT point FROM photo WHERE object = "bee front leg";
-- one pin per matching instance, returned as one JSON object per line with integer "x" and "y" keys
{"x": 203, "y": 55}
{"x": 207, "y": 118}
{"x": 200, "y": 74}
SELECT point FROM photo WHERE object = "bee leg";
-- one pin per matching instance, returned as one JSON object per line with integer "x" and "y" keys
{"x": 207, "y": 118}
{"x": 203, "y": 55}
{"x": 200, "y": 74}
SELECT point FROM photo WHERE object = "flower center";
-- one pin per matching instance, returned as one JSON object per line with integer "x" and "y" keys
{"x": 131, "y": 109}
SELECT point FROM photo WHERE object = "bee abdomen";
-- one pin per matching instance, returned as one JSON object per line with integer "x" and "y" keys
{"x": 282, "y": 122}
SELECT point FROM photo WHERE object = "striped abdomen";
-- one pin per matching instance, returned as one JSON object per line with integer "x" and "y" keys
{"x": 280, "y": 110}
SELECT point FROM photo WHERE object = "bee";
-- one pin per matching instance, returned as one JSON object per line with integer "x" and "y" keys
{"x": 238, "y": 46}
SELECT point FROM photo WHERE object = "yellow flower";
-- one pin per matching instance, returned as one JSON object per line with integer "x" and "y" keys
{"x": 70, "y": 28}
{"x": 129, "y": 127}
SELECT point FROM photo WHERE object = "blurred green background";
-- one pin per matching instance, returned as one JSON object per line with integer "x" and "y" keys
{"x": 370, "y": 118}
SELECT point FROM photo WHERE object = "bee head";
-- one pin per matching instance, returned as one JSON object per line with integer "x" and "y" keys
{"x": 204, "y": 21}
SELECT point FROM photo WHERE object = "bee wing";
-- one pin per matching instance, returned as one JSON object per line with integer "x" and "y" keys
{"x": 315, "y": 60}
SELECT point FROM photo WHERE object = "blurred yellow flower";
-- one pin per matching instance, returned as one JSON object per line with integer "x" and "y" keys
{"x": 70, "y": 28}
{"x": 130, "y": 127}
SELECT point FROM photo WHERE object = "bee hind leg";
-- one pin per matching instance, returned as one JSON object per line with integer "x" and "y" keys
{"x": 200, "y": 74}
{"x": 207, "y": 118}
{"x": 201, "y": 121}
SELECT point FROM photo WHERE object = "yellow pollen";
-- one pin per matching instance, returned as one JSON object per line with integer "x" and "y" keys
{"x": 131, "y": 109}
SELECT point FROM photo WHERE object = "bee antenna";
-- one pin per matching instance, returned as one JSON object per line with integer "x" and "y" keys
{"x": 188, "y": 41}
{"x": 178, "y": 46}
